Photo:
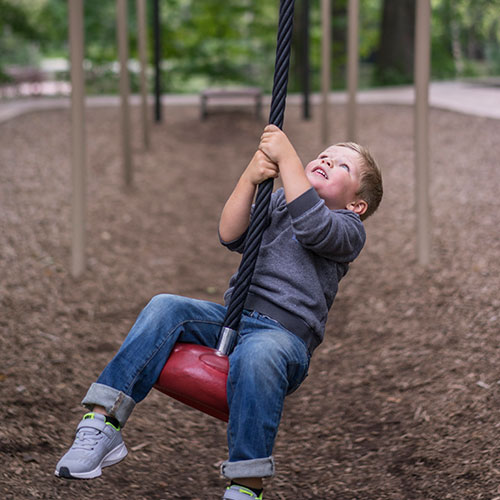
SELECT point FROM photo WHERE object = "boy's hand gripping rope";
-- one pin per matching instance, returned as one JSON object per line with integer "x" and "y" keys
{"x": 263, "y": 198}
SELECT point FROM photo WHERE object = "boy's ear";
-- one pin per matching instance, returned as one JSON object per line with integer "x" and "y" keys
{"x": 358, "y": 207}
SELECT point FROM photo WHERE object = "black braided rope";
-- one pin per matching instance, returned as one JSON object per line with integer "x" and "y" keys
{"x": 263, "y": 199}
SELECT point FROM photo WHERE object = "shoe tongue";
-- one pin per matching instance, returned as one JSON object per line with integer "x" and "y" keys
{"x": 94, "y": 416}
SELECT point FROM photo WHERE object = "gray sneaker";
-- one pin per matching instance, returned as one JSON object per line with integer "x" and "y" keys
{"x": 237, "y": 492}
{"x": 97, "y": 444}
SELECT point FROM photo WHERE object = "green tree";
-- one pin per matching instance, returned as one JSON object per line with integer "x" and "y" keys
{"x": 218, "y": 42}
{"x": 18, "y": 34}
{"x": 475, "y": 31}
{"x": 394, "y": 62}
{"x": 210, "y": 42}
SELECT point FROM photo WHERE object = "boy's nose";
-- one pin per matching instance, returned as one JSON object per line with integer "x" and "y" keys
{"x": 327, "y": 161}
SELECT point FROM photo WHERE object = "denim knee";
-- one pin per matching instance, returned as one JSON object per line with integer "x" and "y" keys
{"x": 162, "y": 301}
{"x": 272, "y": 359}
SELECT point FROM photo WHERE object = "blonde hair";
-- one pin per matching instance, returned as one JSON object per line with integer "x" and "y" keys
{"x": 370, "y": 186}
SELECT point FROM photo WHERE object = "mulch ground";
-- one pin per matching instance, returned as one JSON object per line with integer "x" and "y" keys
{"x": 403, "y": 397}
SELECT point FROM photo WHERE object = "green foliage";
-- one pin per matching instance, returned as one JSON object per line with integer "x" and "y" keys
{"x": 465, "y": 38}
{"x": 99, "y": 25}
{"x": 218, "y": 42}
{"x": 212, "y": 42}
{"x": 18, "y": 34}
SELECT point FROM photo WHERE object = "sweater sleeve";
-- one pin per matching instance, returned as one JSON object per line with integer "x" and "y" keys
{"x": 238, "y": 245}
{"x": 338, "y": 235}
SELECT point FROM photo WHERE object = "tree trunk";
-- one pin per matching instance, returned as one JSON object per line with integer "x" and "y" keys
{"x": 394, "y": 62}
{"x": 339, "y": 43}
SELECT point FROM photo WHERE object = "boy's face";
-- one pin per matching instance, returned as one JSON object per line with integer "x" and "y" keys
{"x": 335, "y": 175}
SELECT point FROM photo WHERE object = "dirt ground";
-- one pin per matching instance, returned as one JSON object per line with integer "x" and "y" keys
{"x": 403, "y": 397}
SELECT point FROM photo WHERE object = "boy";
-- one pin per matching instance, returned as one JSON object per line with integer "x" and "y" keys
{"x": 315, "y": 231}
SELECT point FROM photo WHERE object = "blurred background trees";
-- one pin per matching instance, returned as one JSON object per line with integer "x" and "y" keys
{"x": 210, "y": 42}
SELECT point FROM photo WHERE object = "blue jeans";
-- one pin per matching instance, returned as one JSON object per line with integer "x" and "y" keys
{"x": 267, "y": 363}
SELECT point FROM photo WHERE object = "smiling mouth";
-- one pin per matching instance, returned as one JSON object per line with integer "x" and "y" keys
{"x": 321, "y": 172}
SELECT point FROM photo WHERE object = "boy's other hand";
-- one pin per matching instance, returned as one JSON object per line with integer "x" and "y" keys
{"x": 276, "y": 145}
{"x": 260, "y": 169}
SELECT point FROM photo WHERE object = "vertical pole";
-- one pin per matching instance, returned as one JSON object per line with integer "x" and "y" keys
{"x": 352, "y": 68}
{"x": 326, "y": 27}
{"x": 122, "y": 32}
{"x": 422, "y": 70}
{"x": 141, "y": 24}
{"x": 306, "y": 66}
{"x": 78, "y": 156}
{"x": 157, "y": 58}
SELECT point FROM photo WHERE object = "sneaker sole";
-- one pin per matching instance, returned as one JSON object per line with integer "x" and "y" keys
{"x": 113, "y": 457}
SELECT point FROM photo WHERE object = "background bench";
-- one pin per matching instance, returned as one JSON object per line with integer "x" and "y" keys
{"x": 224, "y": 97}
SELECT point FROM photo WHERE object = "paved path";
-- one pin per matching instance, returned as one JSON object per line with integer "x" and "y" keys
{"x": 470, "y": 98}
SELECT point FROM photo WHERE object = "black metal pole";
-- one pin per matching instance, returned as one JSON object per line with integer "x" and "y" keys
{"x": 157, "y": 58}
{"x": 306, "y": 66}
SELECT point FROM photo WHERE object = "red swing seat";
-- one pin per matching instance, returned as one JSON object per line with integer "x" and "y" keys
{"x": 197, "y": 376}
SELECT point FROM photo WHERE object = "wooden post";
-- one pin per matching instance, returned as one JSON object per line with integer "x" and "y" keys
{"x": 142, "y": 29}
{"x": 306, "y": 66}
{"x": 326, "y": 28}
{"x": 352, "y": 68}
{"x": 422, "y": 181}
{"x": 78, "y": 156}
{"x": 157, "y": 58}
{"x": 122, "y": 32}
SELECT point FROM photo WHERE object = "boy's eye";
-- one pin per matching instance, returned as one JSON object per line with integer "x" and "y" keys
{"x": 344, "y": 166}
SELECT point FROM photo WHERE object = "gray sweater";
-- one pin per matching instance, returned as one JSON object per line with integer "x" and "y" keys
{"x": 305, "y": 251}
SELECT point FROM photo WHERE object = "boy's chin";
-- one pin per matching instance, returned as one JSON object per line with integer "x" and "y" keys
{"x": 318, "y": 188}
{"x": 316, "y": 182}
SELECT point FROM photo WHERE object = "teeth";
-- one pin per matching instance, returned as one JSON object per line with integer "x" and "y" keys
{"x": 321, "y": 172}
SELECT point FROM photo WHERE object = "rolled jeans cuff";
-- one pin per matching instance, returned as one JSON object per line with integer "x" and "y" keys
{"x": 115, "y": 402}
{"x": 257, "y": 467}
